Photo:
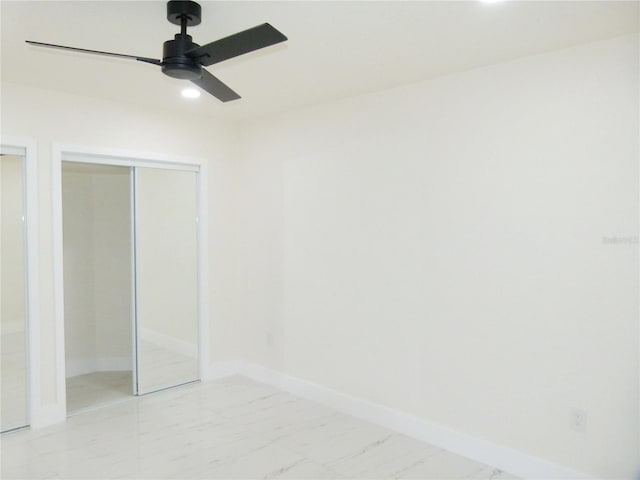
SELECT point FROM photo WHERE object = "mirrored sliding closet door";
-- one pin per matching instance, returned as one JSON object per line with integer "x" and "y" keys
{"x": 166, "y": 277}
{"x": 13, "y": 292}
{"x": 130, "y": 279}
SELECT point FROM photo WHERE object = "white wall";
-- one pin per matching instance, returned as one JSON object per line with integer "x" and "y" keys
{"x": 112, "y": 269}
{"x": 80, "y": 331}
{"x": 440, "y": 249}
{"x": 97, "y": 269}
{"x": 50, "y": 117}
{"x": 437, "y": 248}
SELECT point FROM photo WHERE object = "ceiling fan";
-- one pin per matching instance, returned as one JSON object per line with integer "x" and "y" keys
{"x": 183, "y": 59}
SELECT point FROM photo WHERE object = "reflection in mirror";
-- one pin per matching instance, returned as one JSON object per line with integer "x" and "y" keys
{"x": 13, "y": 314}
{"x": 98, "y": 288}
{"x": 166, "y": 278}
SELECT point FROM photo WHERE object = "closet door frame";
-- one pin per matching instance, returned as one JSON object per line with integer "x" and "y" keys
{"x": 126, "y": 158}
{"x": 28, "y": 150}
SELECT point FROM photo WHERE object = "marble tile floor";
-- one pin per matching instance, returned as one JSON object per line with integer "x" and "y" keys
{"x": 233, "y": 428}
{"x": 98, "y": 388}
{"x": 160, "y": 367}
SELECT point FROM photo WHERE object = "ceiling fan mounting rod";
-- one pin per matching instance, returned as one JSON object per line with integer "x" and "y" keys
{"x": 180, "y": 10}
{"x": 183, "y": 24}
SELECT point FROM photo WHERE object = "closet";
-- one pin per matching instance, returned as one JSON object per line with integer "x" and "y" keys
{"x": 130, "y": 262}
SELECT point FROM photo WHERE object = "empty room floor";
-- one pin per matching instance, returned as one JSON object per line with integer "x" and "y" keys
{"x": 160, "y": 367}
{"x": 232, "y": 428}
{"x": 98, "y": 388}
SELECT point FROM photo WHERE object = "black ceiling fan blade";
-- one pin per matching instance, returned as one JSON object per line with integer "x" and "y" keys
{"x": 237, "y": 44}
{"x": 95, "y": 52}
{"x": 215, "y": 87}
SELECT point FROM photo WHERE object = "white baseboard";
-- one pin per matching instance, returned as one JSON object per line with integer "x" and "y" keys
{"x": 49, "y": 415}
{"x": 103, "y": 364}
{"x": 170, "y": 343}
{"x": 220, "y": 370}
{"x": 501, "y": 457}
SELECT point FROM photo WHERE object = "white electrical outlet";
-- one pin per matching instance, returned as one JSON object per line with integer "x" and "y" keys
{"x": 578, "y": 420}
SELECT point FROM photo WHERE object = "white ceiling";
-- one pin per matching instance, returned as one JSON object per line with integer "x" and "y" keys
{"x": 335, "y": 49}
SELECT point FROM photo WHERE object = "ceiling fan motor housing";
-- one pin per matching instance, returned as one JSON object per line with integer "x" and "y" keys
{"x": 174, "y": 61}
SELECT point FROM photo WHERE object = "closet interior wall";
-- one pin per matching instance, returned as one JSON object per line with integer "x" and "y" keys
{"x": 98, "y": 299}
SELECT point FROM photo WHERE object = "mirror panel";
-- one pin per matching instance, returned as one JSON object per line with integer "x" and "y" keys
{"x": 13, "y": 311}
{"x": 98, "y": 284}
{"x": 166, "y": 278}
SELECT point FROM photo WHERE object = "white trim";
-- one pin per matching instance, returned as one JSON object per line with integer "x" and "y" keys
{"x": 130, "y": 158}
{"x": 18, "y": 151}
{"x": 134, "y": 282}
{"x": 127, "y": 158}
{"x": 203, "y": 270}
{"x": 126, "y": 162}
{"x": 638, "y": 219}
{"x": 33, "y": 280}
{"x": 58, "y": 283}
{"x": 501, "y": 457}
{"x": 49, "y": 415}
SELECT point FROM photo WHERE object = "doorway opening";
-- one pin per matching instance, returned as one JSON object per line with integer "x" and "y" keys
{"x": 98, "y": 251}
{"x": 131, "y": 280}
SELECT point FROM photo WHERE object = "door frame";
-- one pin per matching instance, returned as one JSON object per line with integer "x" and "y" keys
{"x": 27, "y": 148}
{"x": 126, "y": 158}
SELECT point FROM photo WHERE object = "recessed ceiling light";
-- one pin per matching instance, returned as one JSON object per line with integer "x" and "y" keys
{"x": 190, "y": 93}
